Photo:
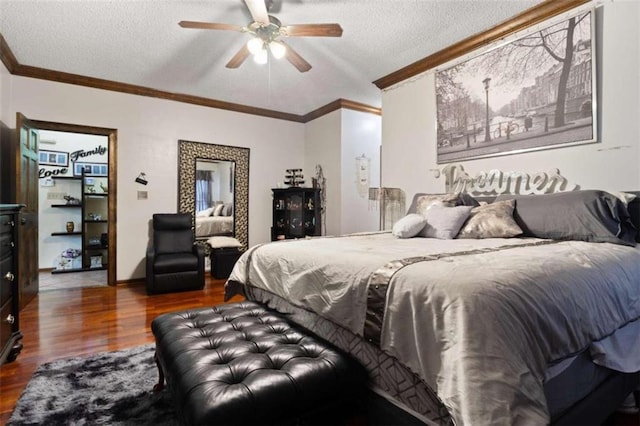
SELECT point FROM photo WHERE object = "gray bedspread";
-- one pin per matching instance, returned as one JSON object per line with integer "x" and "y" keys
{"x": 477, "y": 320}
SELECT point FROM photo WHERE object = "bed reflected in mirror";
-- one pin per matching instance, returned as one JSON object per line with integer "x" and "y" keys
{"x": 213, "y": 185}
{"x": 214, "y": 198}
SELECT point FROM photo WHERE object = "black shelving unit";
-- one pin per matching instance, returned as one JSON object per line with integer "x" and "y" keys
{"x": 91, "y": 230}
{"x": 296, "y": 213}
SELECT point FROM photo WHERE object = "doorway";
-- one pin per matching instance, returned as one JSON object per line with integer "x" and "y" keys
{"x": 78, "y": 186}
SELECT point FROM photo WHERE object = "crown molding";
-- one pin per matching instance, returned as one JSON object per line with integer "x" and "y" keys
{"x": 6, "y": 55}
{"x": 529, "y": 17}
{"x": 15, "y": 68}
{"x": 340, "y": 104}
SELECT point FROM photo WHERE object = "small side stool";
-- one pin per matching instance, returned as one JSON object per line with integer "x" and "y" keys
{"x": 225, "y": 251}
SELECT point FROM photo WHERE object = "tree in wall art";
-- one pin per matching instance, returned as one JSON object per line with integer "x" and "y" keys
{"x": 535, "y": 92}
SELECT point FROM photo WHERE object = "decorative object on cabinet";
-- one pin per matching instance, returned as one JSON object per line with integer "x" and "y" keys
{"x": 296, "y": 213}
{"x": 321, "y": 182}
{"x": 72, "y": 201}
{"x": 294, "y": 178}
{"x": 10, "y": 334}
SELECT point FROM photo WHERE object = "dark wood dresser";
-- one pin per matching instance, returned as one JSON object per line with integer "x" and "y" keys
{"x": 10, "y": 334}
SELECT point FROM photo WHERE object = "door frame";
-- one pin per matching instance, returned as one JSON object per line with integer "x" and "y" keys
{"x": 112, "y": 135}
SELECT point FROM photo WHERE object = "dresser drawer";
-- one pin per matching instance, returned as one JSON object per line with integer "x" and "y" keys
{"x": 6, "y": 223}
{"x": 6, "y": 245}
{"x": 6, "y": 328}
{"x": 6, "y": 267}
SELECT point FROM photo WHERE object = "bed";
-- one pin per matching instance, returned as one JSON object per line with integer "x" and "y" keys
{"x": 216, "y": 220}
{"x": 535, "y": 328}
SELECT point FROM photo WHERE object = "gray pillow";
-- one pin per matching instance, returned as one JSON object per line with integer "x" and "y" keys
{"x": 587, "y": 215}
{"x": 491, "y": 221}
{"x": 409, "y": 226}
{"x": 444, "y": 222}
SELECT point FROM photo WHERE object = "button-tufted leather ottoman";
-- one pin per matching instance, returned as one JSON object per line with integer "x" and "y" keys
{"x": 242, "y": 363}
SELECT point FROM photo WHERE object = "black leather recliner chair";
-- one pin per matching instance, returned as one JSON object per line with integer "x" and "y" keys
{"x": 174, "y": 262}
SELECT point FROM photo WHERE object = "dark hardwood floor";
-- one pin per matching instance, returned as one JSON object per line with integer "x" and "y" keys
{"x": 78, "y": 322}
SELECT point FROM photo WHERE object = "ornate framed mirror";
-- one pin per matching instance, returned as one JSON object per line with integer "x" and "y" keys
{"x": 213, "y": 185}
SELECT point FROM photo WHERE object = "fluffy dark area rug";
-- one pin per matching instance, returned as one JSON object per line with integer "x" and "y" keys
{"x": 110, "y": 388}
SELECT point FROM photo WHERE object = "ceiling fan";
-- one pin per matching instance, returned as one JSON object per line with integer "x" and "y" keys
{"x": 268, "y": 32}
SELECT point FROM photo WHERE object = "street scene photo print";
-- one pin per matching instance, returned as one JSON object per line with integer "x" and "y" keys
{"x": 532, "y": 93}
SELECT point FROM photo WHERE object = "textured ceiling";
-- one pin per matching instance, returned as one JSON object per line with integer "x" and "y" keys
{"x": 139, "y": 42}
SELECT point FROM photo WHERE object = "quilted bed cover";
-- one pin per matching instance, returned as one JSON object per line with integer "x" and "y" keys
{"x": 478, "y": 320}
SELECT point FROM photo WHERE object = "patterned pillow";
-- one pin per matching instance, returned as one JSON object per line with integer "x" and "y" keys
{"x": 218, "y": 210}
{"x": 491, "y": 221}
{"x": 409, "y": 226}
{"x": 425, "y": 201}
{"x": 444, "y": 222}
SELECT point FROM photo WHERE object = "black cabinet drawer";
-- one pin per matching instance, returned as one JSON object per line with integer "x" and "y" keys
{"x": 6, "y": 223}
{"x": 6, "y": 245}
{"x": 6, "y": 328}
{"x": 6, "y": 267}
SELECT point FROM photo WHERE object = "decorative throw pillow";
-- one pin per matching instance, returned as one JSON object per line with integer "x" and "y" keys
{"x": 409, "y": 226}
{"x": 218, "y": 210}
{"x": 444, "y": 222}
{"x": 585, "y": 215}
{"x": 223, "y": 242}
{"x": 205, "y": 212}
{"x": 425, "y": 201}
{"x": 228, "y": 209}
{"x": 491, "y": 221}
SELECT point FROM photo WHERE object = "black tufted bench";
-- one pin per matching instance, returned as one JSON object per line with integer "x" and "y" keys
{"x": 242, "y": 363}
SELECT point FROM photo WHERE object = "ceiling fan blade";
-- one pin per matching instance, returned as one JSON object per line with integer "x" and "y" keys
{"x": 258, "y": 11}
{"x": 313, "y": 30}
{"x": 210, "y": 26}
{"x": 295, "y": 59}
{"x": 239, "y": 57}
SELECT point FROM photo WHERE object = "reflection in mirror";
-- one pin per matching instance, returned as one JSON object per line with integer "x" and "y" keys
{"x": 214, "y": 198}
{"x": 229, "y": 167}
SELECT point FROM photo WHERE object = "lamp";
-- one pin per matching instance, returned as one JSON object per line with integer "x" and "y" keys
{"x": 278, "y": 50}
{"x": 260, "y": 57}
{"x": 259, "y": 44}
{"x": 255, "y": 45}
{"x": 392, "y": 205}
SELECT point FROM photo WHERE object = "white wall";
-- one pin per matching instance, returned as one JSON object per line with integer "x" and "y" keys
{"x": 148, "y": 131}
{"x": 53, "y": 219}
{"x": 409, "y": 130}
{"x": 360, "y": 135}
{"x": 334, "y": 141}
{"x": 322, "y": 146}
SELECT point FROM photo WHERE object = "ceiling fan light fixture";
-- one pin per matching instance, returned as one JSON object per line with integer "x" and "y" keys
{"x": 278, "y": 50}
{"x": 255, "y": 45}
{"x": 261, "y": 57}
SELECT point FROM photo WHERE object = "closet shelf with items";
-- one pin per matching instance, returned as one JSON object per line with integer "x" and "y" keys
{"x": 93, "y": 209}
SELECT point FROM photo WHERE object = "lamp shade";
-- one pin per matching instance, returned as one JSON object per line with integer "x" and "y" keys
{"x": 260, "y": 57}
{"x": 255, "y": 45}
{"x": 278, "y": 50}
